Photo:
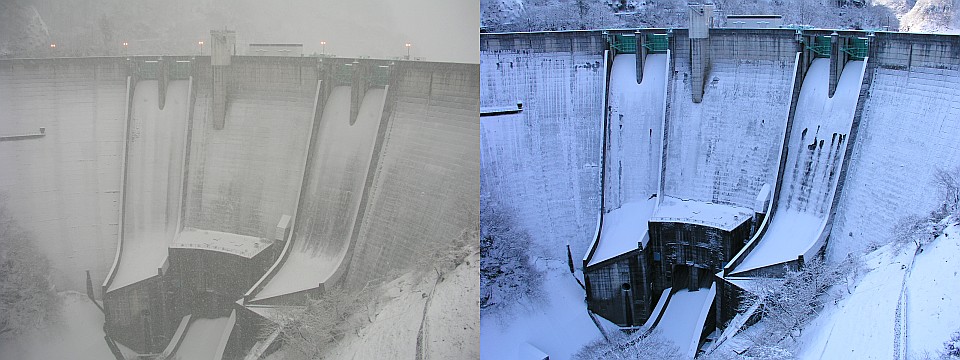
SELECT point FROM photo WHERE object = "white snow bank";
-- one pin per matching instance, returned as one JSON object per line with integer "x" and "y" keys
{"x": 559, "y": 327}
{"x": 624, "y": 229}
{"x": 78, "y": 336}
{"x": 725, "y": 217}
{"x": 933, "y": 295}
{"x": 861, "y": 325}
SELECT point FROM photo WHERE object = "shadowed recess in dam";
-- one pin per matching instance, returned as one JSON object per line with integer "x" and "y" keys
{"x": 154, "y": 169}
{"x": 64, "y": 187}
{"x": 818, "y": 141}
{"x": 724, "y": 149}
{"x": 244, "y": 177}
{"x": 331, "y": 199}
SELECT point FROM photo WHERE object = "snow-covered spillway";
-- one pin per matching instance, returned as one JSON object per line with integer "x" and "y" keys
{"x": 818, "y": 142}
{"x": 683, "y": 318}
{"x": 335, "y": 183}
{"x": 152, "y": 180}
{"x": 202, "y": 339}
{"x": 635, "y": 133}
{"x": 634, "y": 148}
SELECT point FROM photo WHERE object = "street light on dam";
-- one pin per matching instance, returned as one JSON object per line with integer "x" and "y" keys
{"x": 408, "y": 50}
{"x": 323, "y": 48}
{"x": 201, "y": 47}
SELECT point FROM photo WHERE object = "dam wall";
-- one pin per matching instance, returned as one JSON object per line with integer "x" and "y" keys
{"x": 541, "y": 166}
{"x": 243, "y": 178}
{"x": 725, "y": 148}
{"x": 62, "y": 183}
{"x": 908, "y": 131}
{"x": 422, "y": 195}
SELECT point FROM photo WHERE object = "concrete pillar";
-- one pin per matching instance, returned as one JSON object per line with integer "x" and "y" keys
{"x": 222, "y": 49}
{"x": 836, "y": 61}
{"x": 699, "y": 62}
{"x": 641, "y": 54}
{"x": 162, "y": 82}
{"x": 700, "y": 21}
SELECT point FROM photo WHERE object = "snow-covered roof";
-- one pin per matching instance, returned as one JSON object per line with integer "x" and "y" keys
{"x": 624, "y": 230}
{"x": 724, "y": 217}
{"x": 246, "y": 246}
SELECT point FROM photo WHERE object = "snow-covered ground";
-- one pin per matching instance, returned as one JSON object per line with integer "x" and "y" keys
{"x": 863, "y": 324}
{"x": 78, "y": 335}
{"x": 557, "y": 323}
{"x": 416, "y": 318}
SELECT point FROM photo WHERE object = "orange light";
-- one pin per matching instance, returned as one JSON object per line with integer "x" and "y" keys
{"x": 53, "y": 46}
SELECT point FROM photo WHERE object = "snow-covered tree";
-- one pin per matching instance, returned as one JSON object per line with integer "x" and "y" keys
{"x": 636, "y": 346}
{"x": 788, "y": 303}
{"x": 951, "y": 348}
{"x": 506, "y": 271}
{"x": 27, "y": 296}
{"x": 305, "y": 331}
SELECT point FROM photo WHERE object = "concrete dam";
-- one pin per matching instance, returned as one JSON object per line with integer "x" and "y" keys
{"x": 194, "y": 194}
{"x": 681, "y": 164}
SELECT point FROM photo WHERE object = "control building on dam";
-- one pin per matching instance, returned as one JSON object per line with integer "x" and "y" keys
{"x": 190, "y": 196}
{"x": 684, "y": 163}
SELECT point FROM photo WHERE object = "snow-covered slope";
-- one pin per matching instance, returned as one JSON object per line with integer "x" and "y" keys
{"x": 863, "y": 325}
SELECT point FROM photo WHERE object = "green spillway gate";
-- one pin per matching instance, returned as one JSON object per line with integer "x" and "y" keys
{"x": 149, "y": 69}
{"x": 381, "y": 75}
{"x": 856, "y": 48}
{"x": 343, "y": 74}
{"x": 820, "y": 46}
{"x": 180, "y": 70}
{"x": 623, "y": 44}
{"x": 657, "y": 43}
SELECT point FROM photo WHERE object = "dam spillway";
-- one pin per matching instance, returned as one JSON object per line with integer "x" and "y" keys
{"x": 737, "y": 177}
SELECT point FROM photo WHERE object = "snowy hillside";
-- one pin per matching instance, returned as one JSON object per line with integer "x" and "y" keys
{"x": 531, "y": 15}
